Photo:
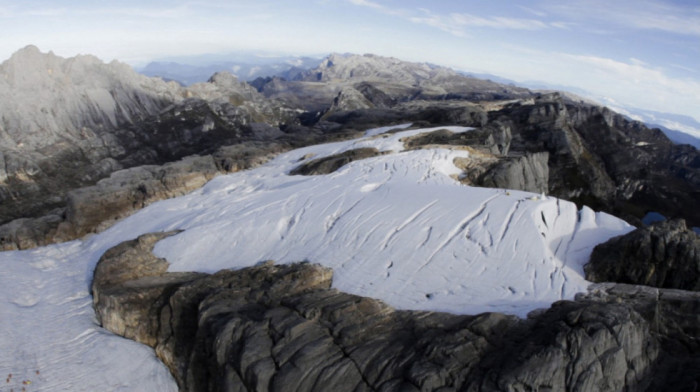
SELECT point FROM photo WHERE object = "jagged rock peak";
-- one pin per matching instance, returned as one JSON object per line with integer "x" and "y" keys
{"x": 45, "y": 98}
{"x": 223, "y": 77}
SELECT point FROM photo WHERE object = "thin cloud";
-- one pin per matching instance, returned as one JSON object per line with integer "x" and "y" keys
{"x": 468, "y": 20}
{"x": 367, "y": 3}
{"x": 458, "y": 24}
{"x": 639, "y": 15}
{"x": 533, "y": 11}
{"x": 650, "y": 86}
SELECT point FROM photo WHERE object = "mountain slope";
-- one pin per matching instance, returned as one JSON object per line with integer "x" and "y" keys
{"x": 66, "y": 123}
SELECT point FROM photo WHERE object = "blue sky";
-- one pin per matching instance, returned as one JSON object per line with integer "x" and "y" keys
{"x": 642, "y": 53}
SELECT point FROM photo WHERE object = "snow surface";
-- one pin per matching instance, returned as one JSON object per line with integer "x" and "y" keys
{"x": 395, "y": 227}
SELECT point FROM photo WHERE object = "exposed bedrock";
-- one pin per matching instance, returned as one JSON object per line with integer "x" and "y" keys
{"x": 603, "y": 160}
{"x": 665, "y": 254}
{"x": 94, "y": 208}
{"x": 332, "y": 163}
{"x": 529, "y": 172}
{"x": 282, "y": 328}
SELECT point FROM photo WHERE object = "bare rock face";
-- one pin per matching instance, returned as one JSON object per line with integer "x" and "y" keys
{"x": 603, "y": 160}
{"x": 282, "y": 328}
{"x": 528, "y": 173}
{"x": 95, "y": 208}
{"x": 665, "y": 254}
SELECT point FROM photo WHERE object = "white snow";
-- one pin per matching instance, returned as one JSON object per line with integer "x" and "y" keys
{"x": 395, "y": 227}
{"x": 47, "y": 325}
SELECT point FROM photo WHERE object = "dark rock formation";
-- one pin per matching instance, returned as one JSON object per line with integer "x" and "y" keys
{"x": 528, "y": 173}
{"x": 332, "y": 163}
{"x": 601, "y": 159}
{"x": 281, "y": 327}
{"x": 665, "y": 254}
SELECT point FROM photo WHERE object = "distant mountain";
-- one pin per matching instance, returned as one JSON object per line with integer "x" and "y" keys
{"x": 245, "y": 68}
{"x": 383, "y": 81}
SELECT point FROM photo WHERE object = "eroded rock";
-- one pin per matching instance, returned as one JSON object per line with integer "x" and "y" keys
{"x": 332, "y": 163}
{"x": 281, "y": 328}
{"x": 665, "y": 254}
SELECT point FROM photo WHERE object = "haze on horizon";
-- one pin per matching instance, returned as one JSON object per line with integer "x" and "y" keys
{"x": 641, "y": 53}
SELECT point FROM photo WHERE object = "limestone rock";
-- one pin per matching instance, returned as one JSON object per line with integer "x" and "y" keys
{"x": 665, "y": 254}
{"x": 95, "y": 207}
{"x": 281, "y": 327}
{"x": 528, "y": 173}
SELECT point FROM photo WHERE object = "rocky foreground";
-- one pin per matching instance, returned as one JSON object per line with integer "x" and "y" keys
{"x": 282, "y": 328}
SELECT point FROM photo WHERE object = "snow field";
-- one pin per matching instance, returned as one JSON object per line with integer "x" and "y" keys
{"x": 394, "y": 227}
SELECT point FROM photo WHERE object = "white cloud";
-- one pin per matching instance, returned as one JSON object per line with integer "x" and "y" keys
{"x": 637, "y": 14}
{"x": 458, "y": 24}
{"x": 533, "y": 11}
{"x": 468, "y": 20}
{"x": 638, "y": 84}
{"x": 367, "y": 3}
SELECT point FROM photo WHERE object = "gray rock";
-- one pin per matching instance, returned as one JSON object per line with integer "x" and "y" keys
{"x": 332, "y": 163}
{"x": 528, "y": 173}
{"x": 95, "y": 208}
{"x": 665, "y": 254}
{"x": 281, "y": 327}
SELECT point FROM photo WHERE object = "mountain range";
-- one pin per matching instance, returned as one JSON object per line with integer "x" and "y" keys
{"x": 248, "y": 67}
{"x": 364, "y": 224}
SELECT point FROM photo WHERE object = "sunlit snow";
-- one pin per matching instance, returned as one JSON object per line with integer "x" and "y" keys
{"x": 395, "y": 227}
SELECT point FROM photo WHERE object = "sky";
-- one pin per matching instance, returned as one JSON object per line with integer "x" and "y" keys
{"x": 638, "y": 53}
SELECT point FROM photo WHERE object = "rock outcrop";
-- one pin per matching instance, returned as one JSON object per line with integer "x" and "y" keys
{"x": 529, "y": 172}
{"x": 332, "y": 163}
{"x": 665, "y": 254}
{"x": 601, "y": 159}
{"x": 95, "y": 208}
{"x": 281, "y": 327}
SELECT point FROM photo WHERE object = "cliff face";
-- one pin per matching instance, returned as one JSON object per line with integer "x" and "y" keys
{"x": 599, "y": 158}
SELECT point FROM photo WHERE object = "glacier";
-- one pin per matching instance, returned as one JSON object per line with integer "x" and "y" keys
{"x": 398, "y": 227}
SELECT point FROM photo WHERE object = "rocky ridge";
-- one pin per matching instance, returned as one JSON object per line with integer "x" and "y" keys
{"x": 281, "y": 327}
